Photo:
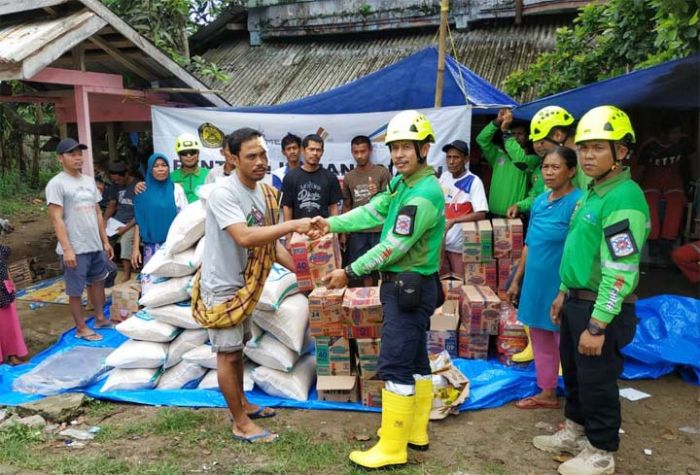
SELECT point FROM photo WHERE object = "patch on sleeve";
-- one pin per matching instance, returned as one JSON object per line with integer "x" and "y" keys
{"x": 405, "y": 221}
{"x": 620, "y": 240}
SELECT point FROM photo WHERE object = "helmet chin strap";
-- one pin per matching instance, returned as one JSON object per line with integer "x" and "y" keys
{"x": 421, "y": 159}
{"x": 615, "y": 164}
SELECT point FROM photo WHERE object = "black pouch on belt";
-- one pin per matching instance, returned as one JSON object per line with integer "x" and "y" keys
{"x": 408, "y": 290}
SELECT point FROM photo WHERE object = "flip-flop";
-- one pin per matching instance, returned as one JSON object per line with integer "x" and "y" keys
{"x": 533, "y": 403}
{"x": 104, "y": 326}
{"x": 262, "y": 413}
{"x": 89, "y": 337}
{"x": 265, "y": 437}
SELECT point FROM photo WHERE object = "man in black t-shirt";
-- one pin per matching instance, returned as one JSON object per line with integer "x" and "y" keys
{"x": 310, "y": 190}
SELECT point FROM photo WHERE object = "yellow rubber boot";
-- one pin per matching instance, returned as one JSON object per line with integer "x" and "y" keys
{"x": 397, "y": 421}
{"x": 418, "y": 439}
{"x": 527, "y": 354}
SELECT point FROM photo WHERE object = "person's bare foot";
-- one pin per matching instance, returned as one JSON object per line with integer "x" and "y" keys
{"x": 252, "y": 433}
{"x": 13, "y": 360}
{"x": 88, "y": 335}
{"x": 103, "y": 323}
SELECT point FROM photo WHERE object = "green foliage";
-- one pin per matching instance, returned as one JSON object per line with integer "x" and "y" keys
{"x": 611, "y": 38}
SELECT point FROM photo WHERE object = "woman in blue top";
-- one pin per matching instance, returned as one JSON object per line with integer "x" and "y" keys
{"x": 544, "y": 245}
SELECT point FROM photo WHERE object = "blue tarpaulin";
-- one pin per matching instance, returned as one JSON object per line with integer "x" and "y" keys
{"x": 670, "y": 85}
{"x": 667, "y": 338}
{"x": 407, "y": 84}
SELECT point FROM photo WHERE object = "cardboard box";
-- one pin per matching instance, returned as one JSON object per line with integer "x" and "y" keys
{"x": 443, "y": 340}
{"x": 329, "y": 329}
{"x": 338, "y": 388}
{"x": 506, "y": 266}
{"x": 445, "y": 317}
{"x": 314, "y": 259}
{"x": 517, "y": 236}
{"x": 368, "y": 356}
{"x": 452, "y": 288}
{"x": 477, "y": 241}
{"x": 507, "y": 238}
{"x": 334, "y": 356}
{"x": 326, "y": 306}
{"x": 481, "y": 309}
{"x": 125, "y": 299}
{"x": 364, "y": 331}
{"x": 362, "y": 306}
{"x": 483, "y": 273}
{"x": 471, "y": 345}
{"x": 371, "y": 392}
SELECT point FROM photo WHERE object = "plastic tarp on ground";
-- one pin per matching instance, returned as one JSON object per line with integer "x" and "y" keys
{"x": 668, "y": 338}
{"x": 407, "y": 84}
{"x": 671, "y": 85}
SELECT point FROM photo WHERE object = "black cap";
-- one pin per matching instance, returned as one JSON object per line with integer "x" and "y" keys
{"x": 117, "y": 167}
{"x": 460, "y": 145}
{"x": 68, "y": 145}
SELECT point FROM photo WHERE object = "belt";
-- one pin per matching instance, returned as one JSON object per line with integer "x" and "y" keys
{"x": 590, "y": 296}
{"x": 386, "y": 277}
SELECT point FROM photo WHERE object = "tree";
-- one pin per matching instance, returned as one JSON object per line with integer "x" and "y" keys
{"x": 611, "y": 38}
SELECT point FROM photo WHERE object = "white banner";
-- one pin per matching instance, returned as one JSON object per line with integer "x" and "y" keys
{"x": 449, "y": 123}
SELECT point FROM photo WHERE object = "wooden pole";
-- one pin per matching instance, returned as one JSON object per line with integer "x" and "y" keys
{"x": 444, "y": 10}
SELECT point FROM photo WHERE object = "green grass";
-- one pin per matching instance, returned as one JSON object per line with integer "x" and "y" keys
{"x": 174, "y": 421}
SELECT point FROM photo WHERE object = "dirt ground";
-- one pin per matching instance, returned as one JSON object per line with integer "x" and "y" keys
{"x": 495, "y": 441}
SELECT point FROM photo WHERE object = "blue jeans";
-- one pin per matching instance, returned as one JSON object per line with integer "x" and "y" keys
{"x": 404, "y": 340}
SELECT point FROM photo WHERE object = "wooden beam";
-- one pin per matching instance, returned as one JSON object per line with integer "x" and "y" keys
{"x": 8, "y": 7}
{"x": 121, "y": 59}
{"x": 54, "y": 49}
{"x": 30, "y": 99}
{"x": 82, "y": 107}
{"x": 78, "y": 56}
{"x": 236, "y": 26}
{"x": 77, "y": 78}
{"x": 175, "y": 69}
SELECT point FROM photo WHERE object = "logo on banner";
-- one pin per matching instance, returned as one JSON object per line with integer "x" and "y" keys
{"x": 210, "y": 135}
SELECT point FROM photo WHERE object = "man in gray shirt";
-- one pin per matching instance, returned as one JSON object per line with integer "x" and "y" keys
{"x": 75, "y": 213}
{"x": 236, "y": 211}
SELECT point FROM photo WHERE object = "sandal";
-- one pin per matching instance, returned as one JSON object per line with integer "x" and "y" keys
{"x": 265, "y": 437}
{"x": 534, "y": 403}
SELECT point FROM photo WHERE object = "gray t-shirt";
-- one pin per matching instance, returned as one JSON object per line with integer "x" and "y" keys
{"x": 78, "y": 197}
{"x": 224, "y": 261}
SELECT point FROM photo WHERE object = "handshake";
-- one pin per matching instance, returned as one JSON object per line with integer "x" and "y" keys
{"x": 313, "y": 227}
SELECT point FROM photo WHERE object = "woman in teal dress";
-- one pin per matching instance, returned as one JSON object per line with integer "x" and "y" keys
{"x": 539, "y": 265}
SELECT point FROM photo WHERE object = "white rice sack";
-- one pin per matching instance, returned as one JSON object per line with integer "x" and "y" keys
{"x": 186, "y": 229}
{"x": 204, "y": 191}
{"x": 293, "y": 385}
{"x": 270, "y": 352}
{"x": 166, "y": 292}
{"x": 186, "y": 341}
{"x": 256, "y": 334}
{"x": 133, "y": 354}
{"x": 183, "y": 263}
{"x": 182, "y": 375}
{"x": 211, "y": 381}
{"x": 201, "y": 355}
{"x": 141, "y": 326}
{"x": 287, "y": 324}
{"x": 131, "y": 379}
{"x": 177, "y": 314}
{"x": 280, "y": 284}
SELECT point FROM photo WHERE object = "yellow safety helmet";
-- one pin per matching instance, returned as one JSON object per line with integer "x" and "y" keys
{"x": 605, "y": 123}
{"x": 409, "y": 125}
{"x": 547, "y": 118}
{"x": 187, "y": 142}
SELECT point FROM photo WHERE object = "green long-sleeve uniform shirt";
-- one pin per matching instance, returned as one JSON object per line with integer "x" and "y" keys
{"x": 412, "y": 215}
{"x": 510, "y": 169}
{"x": 606, "y": 236}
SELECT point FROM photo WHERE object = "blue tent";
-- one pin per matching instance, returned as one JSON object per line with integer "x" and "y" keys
{"x": 671, "y": 85}
{"x": 408, "y": 84}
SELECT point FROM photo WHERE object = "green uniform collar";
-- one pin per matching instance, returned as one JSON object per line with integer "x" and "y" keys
{"x": 603, "y": 188}
{"x": 184, "y": 173}
{"x": 416, "y": 177}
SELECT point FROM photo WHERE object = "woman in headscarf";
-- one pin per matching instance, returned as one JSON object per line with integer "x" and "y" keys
{"x": 155, "y": 209}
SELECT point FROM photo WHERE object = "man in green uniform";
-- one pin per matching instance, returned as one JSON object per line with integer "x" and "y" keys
{"x": 510, "y": 166}
{"x": 411, "y": 212}
{"x": 599, "y": 271}
{"x": 190, "y": 175}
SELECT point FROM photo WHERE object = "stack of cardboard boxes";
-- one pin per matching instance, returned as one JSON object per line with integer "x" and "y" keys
{"x": 443, "y": 329}
{"x": 477, "y": 253}
{"x": 346, "y": 324}
{"x": 480, "y": 313}
{"x": 507, "y": 248}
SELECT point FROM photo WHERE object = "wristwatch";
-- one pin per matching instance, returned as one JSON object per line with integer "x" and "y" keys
{"x": 350, "y": 273}
{"x": 594, "y": 329}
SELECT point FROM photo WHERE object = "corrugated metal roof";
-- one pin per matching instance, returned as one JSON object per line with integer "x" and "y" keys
{"x": 282, "y": 70}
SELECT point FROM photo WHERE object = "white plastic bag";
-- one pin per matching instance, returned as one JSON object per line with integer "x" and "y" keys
{"x": 211, "y": 381}
{"x": 271, "y": 353}
{"x": 133, "y": 354}
{"x": 201, "y": 355}
{"x": 141, "y": 326}
{"x": 293, "y": 385}
{"x": 280, "y": 284}
{"x": 183, "y": 374}
{"x": 131, "y": 379}
{"x": 287, "y": 324}
{"x": 176, "y": 314}
{"x": 166, "y": 292}
{"x": 187, "y": 340}
{"x": 183, "y": 263}
{"x": 186, "y": 229}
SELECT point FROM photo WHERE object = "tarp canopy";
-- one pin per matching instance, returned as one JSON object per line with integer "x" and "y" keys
{"x": 408, "y": 84}
{"x": 671, "y": 85}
